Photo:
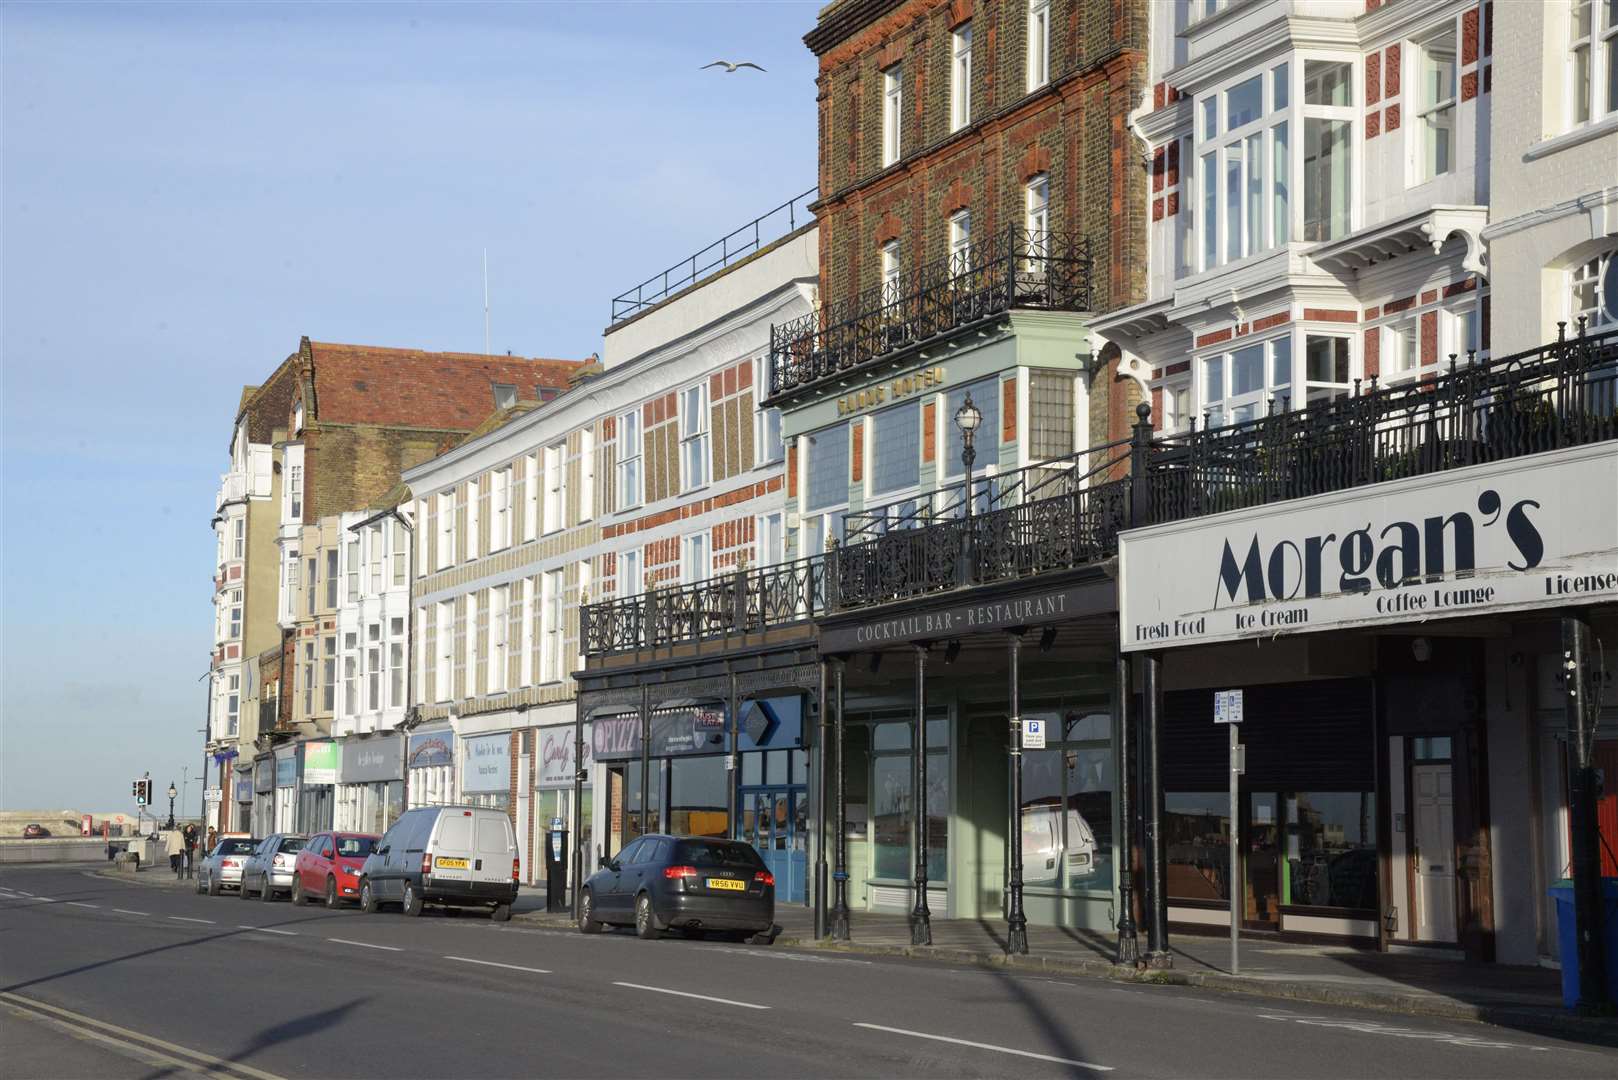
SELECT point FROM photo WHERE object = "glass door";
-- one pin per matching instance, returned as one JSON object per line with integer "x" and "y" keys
{"x": 773, "y": 820}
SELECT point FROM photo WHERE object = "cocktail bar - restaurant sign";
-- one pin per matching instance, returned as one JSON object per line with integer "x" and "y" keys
{"x": 1536, "y": 532}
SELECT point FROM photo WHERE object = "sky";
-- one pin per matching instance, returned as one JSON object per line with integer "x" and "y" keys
{"x": 188, "y": 190}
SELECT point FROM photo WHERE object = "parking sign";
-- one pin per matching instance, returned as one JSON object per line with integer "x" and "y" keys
{"x": 1033, "y": 733}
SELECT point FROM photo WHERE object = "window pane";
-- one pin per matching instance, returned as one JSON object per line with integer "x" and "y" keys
{"x": 1042, "y": 817}
{"x": 1233, "y": 203}
{"x": 1210, "y": 117}
{"x": 896, "y": 449}
{"x": 1327, "y": 82}
{"x": 1325, "y": 179}
{"x": 986, "y": 398}
{"x": 1581, "y": 84}
{"x": 890, "y": 815}
{"x": 1089, "y": 818}
{"x": 1331, "y": 856}
{"x": 1281, "y": 88}
{"x": 1196, "y": 827}
{"x": 1281, "y": 179}
{"x": 1247, "y": 370}
{"x": 1244, "y": 103}
{"x": 1255, "y": 192}
{"x": 1213, "y": 384}
{"x": 1281, "y": 362}
{"x": 828, "y": 467}
{"x": 1327, "y": 359}
{"x": 1210, "y": 212}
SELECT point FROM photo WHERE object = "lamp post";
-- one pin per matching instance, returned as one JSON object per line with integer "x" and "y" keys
{"x": 173, "y": 793}
{"x": 967, "y": 419}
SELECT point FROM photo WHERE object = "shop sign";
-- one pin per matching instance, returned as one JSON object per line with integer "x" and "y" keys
{"x": 615, "y": 738}
{"x": 244, "y": 789}
{"x": 1537, "y": 532}
{"x": 697, "y": 730}
{"x": 429, "y": 750}
{"x": 772, "y": 723}
{"x": 890, "y": 390}
{"x": 371, "y": 761}
{"x": 556, "y": 755}
{"x": 1033, "y": 608}
{"x": 286, "y": 770}
{"x": 264, "y": 774}
{"x": 320, "y": 762}
{"x": 486, "y": 763}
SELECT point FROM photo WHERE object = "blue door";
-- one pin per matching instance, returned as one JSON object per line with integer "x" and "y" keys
{"x": 775, "y": 821}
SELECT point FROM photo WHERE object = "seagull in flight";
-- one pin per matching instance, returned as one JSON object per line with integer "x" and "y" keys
{"x": 730, "y": 68}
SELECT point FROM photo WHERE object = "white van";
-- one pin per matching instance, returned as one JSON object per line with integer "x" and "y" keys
{"x": 454, "y": 856}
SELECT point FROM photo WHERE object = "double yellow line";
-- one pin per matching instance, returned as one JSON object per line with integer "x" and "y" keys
{"x": 137, "y": 1043}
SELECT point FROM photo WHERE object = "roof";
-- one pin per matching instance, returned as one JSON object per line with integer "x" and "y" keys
{"x": 369, "y": 384}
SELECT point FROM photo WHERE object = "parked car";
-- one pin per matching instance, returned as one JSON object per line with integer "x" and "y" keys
{"x": 269, "y": 869}
{"x": 691, "y": 883}
{"x": 329, "y": 867}
{"x": 453, "y": 856}
{"x": 35, "y": 832}
{"x": 221, "y": 868}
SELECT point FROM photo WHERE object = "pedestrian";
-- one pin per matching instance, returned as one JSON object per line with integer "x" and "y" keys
{"x": 213, "y": 839}
{"x": 176, "y": 850}
{"x": 190, "y": 847}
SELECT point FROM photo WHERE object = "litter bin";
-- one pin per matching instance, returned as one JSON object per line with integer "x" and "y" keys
{"x": 1567, "y": 938}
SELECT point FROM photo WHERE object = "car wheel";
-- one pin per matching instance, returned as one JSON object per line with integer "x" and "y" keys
{"x": 645, "y": 919}
{"x": 267, "y": 893}
{"x": 297, "y": 897}
{"x": 501, "y": 913}
{"x": 213, "y": 886}
{"x": 331, "y": 892}
{"x": 367, "y": 898}
{"x": 412, "y": 900}
{"x": 587, "y": 919}
{"x": 241, "y": 887}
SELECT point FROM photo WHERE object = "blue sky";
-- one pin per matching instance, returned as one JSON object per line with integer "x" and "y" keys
{"x": 188, "y": 189}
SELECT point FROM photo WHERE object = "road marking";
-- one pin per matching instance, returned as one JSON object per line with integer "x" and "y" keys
{"x": 988, "y": 1046}
{"x": 184, "y": 918}
{"x": 126, "y": 911}
{"x": 1371, "y": 1027}
{"x": 491, "y": 963}
{"x": 44, "y": 899}
{"x": 266, "y": 930}
{"x": 214, "y": 1066}
{"x": 364, "y": 944}
{"x": 78, "y": 903}
{"x": 699, "y": 997}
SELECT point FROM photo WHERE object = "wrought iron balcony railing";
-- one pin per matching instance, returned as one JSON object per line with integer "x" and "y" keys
{"x": 1067, "y": 513}
{"x": 1014, "y": 268}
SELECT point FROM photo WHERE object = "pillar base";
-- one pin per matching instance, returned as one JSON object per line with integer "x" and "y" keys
{"x": 1159, "y": 961}
{"x": 1017, "y": 940}
{"x": 1128, "y": 949}
{"x": 921, "y": 927}
{"x": 839, "y": 925}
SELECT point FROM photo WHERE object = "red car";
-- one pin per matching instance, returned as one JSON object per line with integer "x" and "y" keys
{"x": 328, "y": 867}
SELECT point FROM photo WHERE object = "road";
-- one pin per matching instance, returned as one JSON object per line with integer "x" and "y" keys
{"x": 244, "y": 989}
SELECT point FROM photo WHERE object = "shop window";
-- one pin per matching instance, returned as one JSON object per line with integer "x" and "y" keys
{"x": 892, "y": 800}
{"x": 1067, "y": 805}
{"x": 1196, "y": 836}
{"x": 1331, "y": 850}
{"x": 698, "y": 797}
{"x": 896, "y": 448}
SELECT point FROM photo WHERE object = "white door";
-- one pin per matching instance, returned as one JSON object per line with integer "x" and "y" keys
{"x": 1435, "y": 852}
{"x": 496, "y": 848}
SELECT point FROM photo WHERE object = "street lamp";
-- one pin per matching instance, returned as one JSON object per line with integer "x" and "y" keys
{"x": 172, "y": 794}
{"x": 967, "y": 418}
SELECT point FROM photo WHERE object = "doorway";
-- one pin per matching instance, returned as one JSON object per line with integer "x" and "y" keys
{"x": 775, "y": 821}
{"x": 1433, "y": 810}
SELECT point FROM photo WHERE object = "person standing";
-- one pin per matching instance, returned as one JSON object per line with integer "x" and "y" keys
{"x": 190, "y": 833}
{"x": 176, "y": 850}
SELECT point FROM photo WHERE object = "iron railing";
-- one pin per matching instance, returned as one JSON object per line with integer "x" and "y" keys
{"x": 1067, "y": 512}
{"x": 1014, "y": 268}
{"x": 754, "y": 236}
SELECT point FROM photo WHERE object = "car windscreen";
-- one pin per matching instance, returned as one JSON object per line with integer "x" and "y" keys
{"x": 354, "y": 847}
{"x": 237, "y": 846}
{"x": 291, "y": 844}
{"x": 716, "y": 854}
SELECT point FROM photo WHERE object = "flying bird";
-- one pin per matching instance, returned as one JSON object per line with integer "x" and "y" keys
{"x": 730, "y": 68}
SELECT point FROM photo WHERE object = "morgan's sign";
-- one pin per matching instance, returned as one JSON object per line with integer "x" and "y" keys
{"x": 1535, "y": 532}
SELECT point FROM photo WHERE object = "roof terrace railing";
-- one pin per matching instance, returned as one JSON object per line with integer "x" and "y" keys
{"x": 756, "y": 235}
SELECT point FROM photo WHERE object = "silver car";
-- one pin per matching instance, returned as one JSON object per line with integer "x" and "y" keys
{"x": 269, "y": 870}
{"x": 221, "y": 868}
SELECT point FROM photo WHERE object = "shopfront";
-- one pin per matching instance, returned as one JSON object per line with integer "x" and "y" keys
{"x": 486, "y": 770}
{"x": 286, "y": 789}
{"x": 316, "y": 795}
{"x": 241, "y": 785}
{"x": 263, "y": 816}
{"x": 553, "y": 790}
{"x": 430, "y": 767}
{"x": 370, "y": 783}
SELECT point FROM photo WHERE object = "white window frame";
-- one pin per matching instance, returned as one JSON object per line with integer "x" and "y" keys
{"x": 239, "y": 537}
{"x": 233, "y": 704}
{"x": 396, "y": 662}
{"x": 771, "y": 546}
{"x": 235, "y": 615}
{"x": 1275, "y": 358}
{"x": 960, "y": 76}
{"x": 695, "y": 465}
{"x": 1435, "y": 110}
{"x": 1263, "y": 200}
{"x": 890, "y": 255}
{"x": 1347, "y": 114}
{"x": 551, "y": 646}
{"x": 960, "y": 242}
{"x": 444, "y": 662}
{"x": 769, "y": 446}
{"x": 371, "y": 668}
{"x": 500, "y": 509}
{"x": 892, "y": 114}
{"x": 555, "y": 486}
{"x": 526, "y": 672}
{"x": 1400, "y": 349}
{"x": 1592, "y": 55}
{"x": 1037, "y": 213}
{"x": 530, "y": 510}
{"x": 295, "y": 493}
{"x": 351, "y": 555}
{"x": 351, "y": 674}
{"x": 587, "y": 474}
{"x": 696, "y": 558}
{"x": 446, "y": 530}
{"x": 628, "y": 461}
{"x": 629, "y": 577}
{"x": 474, "y": 515}
{"x": 297, "y": 417}
{"x": 1039, "y": 44}
{"x": 499, "y": 612}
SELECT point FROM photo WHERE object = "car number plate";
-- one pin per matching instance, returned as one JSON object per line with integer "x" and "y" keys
{"x": 449, "y": 864}
{"x": 727, "y": 883}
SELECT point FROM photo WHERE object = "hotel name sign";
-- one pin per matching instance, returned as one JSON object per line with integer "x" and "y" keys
{"x": 890, "y": 390}
{"x": 1535, "y": 532}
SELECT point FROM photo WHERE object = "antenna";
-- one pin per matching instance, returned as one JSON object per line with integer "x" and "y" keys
{"x": 485, "y": 301}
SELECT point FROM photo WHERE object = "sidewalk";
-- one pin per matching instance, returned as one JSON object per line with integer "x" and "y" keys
{"x": 1412, "y": 985}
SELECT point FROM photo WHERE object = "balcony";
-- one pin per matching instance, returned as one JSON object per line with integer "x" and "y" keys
{"x": 1066, "y": 513}
{"x": 1013, "y": 269}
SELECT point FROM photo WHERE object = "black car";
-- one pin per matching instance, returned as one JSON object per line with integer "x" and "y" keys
{"x": 693, "y": 883}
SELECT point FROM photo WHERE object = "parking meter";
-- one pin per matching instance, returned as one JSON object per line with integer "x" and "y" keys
{"x": 556, "y": 852}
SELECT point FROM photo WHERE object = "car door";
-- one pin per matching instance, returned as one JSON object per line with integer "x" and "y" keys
{"x": 381, "y": 861}
{"x": 610, "y": 899}
{"x": 496, "y": 846}
{"x": 405, "y": 861}
{"x": 304, "y": 871}
{"x": 634, "y": 874}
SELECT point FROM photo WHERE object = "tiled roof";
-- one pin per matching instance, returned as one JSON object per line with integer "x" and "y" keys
{"x": 368, "y": 384}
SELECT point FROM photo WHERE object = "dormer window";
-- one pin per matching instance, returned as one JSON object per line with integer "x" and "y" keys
{"x": 505, "y": 395}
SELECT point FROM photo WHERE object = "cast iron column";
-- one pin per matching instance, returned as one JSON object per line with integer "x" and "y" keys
{"x": 819, "y": 759}
{"x": 1583, "y": 701}
{"x": 578, "y": 805}
{"x": 1016, "y": 921}
{"x": 1128, "y": 945}
{"x": 921, "y": 922}
{"x": 839, "y": 913}
{"x": 1158, "y": 955}
{"x": 645, "y": 759}
{"x": 733, "y": 737}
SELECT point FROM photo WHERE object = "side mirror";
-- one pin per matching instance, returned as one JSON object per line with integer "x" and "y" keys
{"x": 383, "y": 850}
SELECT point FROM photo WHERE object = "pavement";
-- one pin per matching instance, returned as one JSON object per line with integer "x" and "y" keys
{"x": 265, "y": 989}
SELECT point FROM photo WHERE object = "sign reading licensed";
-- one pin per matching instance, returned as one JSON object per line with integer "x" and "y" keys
{"x": 1536, "y": 532}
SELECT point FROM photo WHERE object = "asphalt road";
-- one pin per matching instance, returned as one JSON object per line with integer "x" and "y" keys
{"x": 226, "y": 987}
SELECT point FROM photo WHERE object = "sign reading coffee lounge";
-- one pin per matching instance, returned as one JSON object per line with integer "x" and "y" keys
{"x": 1538, "y": 532}
{"x": 1035, "y": 608}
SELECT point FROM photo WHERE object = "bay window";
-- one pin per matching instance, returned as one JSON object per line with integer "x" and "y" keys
{"x": 1245, "y": 169}
{"x": 1436, "y": 115}
{"x": 1327, "y": 149}
{"x": 1238, "y": 386}
{"x": 1401, "y": 349}
{"x": 1326, "y": 368}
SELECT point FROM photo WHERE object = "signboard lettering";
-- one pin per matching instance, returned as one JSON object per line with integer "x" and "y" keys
{"x": 892, "y": 390}
{"x": 556, "y": 754}
{"x": 1047, "y": 606}
{"x": 615, "y": 738}
{"x": 486, "y": 763}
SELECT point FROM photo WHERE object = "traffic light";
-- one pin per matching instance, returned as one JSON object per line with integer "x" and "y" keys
{"x": 142, "y": 790}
